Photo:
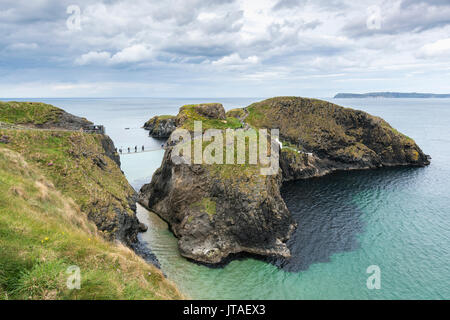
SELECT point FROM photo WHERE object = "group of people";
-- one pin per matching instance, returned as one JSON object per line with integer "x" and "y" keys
{"x": 135, "y": 149}
{"x": 129, "y": 149}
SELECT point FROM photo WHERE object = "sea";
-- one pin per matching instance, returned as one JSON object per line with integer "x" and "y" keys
{"x": 395, "y": 221}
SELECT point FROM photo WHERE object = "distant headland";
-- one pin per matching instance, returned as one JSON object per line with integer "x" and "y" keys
{"x": 390, "y": 95}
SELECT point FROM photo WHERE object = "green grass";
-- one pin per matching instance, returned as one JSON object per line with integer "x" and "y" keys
{"x": 43, "y": 232}
{"x": 230, "y": 123}
{"x": 28, "y": 113}
{"x": 236, "y": 113}
{"x": 166, "y": 117}
{"x": 156, "y": 119}
{"x": 189, "y": 114}
{"x": 69, "y": 159}
{"x": 207, "y": 205}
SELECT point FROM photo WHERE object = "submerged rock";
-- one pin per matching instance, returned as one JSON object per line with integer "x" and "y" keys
{"x": 217, "y": 210}
{"x": 160, "y": 126}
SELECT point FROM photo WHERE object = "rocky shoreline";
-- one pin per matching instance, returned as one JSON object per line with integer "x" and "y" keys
{"x": 217, "y": 211}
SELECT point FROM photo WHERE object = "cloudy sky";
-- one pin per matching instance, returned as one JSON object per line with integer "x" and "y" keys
{"x": 222, "y": 48}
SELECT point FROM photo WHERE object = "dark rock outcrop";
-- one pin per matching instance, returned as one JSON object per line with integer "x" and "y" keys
{"x": 218, "y": 210}
{"x": 110, "y": 149}
{"x": 161, "y": 126}
{"x": 71, "y": 122}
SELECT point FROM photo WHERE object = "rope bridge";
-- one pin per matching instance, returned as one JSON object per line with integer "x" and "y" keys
{"x": 132, "y": 151}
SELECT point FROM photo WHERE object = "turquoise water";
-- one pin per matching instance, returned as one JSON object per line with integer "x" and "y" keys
{"x": 397, "y": 219}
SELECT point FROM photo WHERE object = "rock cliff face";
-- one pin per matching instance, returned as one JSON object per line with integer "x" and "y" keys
{"x": 216, "y": 210}
{"x": 160, "y": 126}
{"x": 219, "y": 211}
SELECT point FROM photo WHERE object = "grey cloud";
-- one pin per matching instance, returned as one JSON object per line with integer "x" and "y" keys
{"x": 409, "y": 3}
{"x": 199, "y": 52}
{"x": 327, "y": 4}
{"x": 185, "y": 12}
{"x": 230, "y": 22}
{"x": 411, "y": 18}
{"x": 185, "y": 37}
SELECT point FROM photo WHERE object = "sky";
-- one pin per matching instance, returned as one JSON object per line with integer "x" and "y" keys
{"x": 222, "y": 48}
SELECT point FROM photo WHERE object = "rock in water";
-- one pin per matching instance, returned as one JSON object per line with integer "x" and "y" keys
{"x": 320, "y": 137}
{"x": 217, "y": 210}
{"x": 160, "y": 126}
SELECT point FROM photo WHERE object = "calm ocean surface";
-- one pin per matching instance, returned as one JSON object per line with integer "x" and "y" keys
{"x": 397, "y": 219}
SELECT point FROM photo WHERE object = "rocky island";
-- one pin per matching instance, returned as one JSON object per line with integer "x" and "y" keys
{"x": 395, "y": 95}
{"x": 160, "y": 126}
{"x": 219, "y": 210}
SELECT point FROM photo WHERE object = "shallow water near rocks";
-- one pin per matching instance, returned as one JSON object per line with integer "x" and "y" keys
{"x": 397, "y": 218}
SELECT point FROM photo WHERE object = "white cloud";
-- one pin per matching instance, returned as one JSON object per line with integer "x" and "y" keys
{"x": 93, "y": 57}
{"x": 135, "y": 53}
{"x": 235, "y": 59}
{"x": 132, "y": 54}
{"x": 436, "y": 49}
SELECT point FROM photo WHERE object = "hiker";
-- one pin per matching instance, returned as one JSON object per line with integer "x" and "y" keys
{"x": 120, "y": 150}
{"x": 128, "y": 149}
{"x": 135, "y": 148}
{"x": 142, "y": 148}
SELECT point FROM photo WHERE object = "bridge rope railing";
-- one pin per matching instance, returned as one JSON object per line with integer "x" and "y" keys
{"x": 125, "y": 153}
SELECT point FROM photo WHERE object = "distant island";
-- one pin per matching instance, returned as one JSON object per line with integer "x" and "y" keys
{"x": 390, "y": 95}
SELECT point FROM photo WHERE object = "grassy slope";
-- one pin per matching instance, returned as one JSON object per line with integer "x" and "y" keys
{"x": 42, "y": 232}
{"x": 233, "y": 174}
{"x": 74, "y": 171}
{"x": 236, "y": 113}
{"x": 28, "y": 112}
{"x": 157, "y": 119}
